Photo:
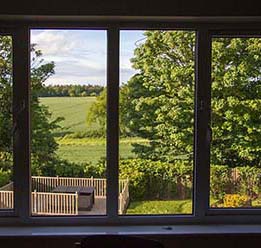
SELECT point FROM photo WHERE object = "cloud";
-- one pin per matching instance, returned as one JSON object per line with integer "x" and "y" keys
{"x": 52, "y": 42}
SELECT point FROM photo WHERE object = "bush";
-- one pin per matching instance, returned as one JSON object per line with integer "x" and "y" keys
{"x": 157, "y": 180}
{"x": 220, "y": 181}
{"x": 5, "y": 177}
{"x": 98, "y": 170}
{"x": 249, "y": 181}
{"x": 236, "y": 201}
{"x": 57, "y": 167}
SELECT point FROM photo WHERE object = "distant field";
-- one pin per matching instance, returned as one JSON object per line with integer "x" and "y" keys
{"x": 91, "y": 149}
{"x": 73, "y": 109}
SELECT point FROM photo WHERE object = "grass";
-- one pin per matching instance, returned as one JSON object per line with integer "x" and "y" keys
{"x": 72, "y": 109}
{"x": 91, "y": 149}
{"x": 160, "y": 207}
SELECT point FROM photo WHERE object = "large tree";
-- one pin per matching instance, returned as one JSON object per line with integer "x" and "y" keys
{"x": 43, "y": 145}
{"x": 162, "y": 109}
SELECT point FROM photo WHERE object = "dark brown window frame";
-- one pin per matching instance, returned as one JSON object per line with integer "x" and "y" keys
{"x": 205, "y": 29}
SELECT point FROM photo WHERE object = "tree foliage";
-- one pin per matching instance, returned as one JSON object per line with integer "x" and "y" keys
{"x": 159, "y": 102}
{"x": 43, "y": 145}
{"x": 161, "y": 96}
{"x": 236, "y": 101}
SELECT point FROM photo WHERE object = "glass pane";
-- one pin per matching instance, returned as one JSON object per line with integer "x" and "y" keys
{"x": 6, "y": 124}
{"x": 236, "y": 114}
{"x": 68, "y": 75}
{"x": 156, "y": 122}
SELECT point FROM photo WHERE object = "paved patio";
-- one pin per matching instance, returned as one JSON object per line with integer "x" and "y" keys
{"x": 99, "y": 207}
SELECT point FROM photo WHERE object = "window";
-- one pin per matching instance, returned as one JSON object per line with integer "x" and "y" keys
{"x": 206, "y": 59}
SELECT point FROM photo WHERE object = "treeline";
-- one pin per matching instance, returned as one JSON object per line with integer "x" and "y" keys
{"x": 70, "y": 90}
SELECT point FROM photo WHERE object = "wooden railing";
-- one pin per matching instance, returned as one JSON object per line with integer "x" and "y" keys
{"x": 123, "y": 196}
{"x": 46, "y": 184}
{"x": 6, "y": 199}
{"x": 54, "y": 203}
{"x": 45, "y": 203}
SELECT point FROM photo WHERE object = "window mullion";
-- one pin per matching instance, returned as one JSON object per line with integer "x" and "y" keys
{"x": 202, "y": 123}
{"x": 112, "y": 122}
{"x": 21, "y": 119}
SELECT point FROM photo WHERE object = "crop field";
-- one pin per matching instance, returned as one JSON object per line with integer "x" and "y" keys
{"x": 92, "y": 149}
{"x": 74, "y": 111}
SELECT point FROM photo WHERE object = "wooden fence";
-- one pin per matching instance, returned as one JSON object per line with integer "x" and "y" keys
{"x": 54, "y": 203}
{"x": 46, "y": 184}
{"x": 6, "y": 199}
{"x": 44, "y": 202}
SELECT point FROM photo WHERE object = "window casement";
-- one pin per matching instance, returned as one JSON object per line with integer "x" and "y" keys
{"x": 202, "y": 213}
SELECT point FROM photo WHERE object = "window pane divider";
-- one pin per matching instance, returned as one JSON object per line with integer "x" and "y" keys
{"x": 202, "y": 123}
{"x": 21, "y": 120}
{"x": 112, "y": 143}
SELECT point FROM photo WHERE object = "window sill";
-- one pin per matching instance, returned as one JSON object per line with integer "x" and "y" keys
{"x": 178, "y": 230}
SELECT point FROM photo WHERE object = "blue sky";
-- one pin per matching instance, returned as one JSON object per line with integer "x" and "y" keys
{"x": 80, "y": 55}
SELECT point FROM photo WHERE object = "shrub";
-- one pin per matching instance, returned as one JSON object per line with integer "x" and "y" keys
{"x": 249, "y": 181}
{"x": 236, "y": 201}
{"x": 220, "y": 181}
{"x": 157, "y": 180}
{"x": 5, "y": 177}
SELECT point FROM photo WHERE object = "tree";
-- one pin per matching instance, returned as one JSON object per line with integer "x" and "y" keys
{"x": 160, "y": 98}
{"x": 161, "y": 95}
{"x": 43, "y": 145}
{"x": 97, "y": 112}
{"x": 236, "y": 101}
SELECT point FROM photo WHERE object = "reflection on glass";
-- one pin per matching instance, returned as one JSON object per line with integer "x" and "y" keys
{"x": 236, "y": 114}
{"x": 68, "y": 107}
{"x": 6, "y": 144}
{"x": 156, "y": 122}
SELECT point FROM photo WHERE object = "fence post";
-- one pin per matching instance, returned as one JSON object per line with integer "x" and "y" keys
{"x": 57, "y": 181}
{"x": 76, "y": 203}
{"x": 92, "y": 183}
{"x": 120, "y": 203}
{"x": 35, "y": 201}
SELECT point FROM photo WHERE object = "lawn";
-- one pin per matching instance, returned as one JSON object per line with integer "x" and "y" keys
{"x": 160, "y": 207}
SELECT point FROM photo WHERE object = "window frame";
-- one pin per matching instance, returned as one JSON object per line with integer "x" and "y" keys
{"x": 204, "y": 28}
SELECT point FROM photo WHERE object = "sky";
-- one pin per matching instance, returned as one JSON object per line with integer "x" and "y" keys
{"x": 80, "y": 55}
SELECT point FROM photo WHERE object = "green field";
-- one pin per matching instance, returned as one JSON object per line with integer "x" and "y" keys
{"x": 91, "y": 149}
{"x": 74, "y": 111}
